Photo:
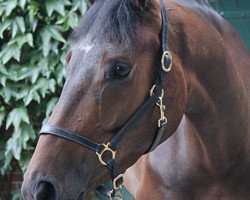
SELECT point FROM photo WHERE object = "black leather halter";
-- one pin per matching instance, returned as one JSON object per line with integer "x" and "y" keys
{"x": 106, "y": 152}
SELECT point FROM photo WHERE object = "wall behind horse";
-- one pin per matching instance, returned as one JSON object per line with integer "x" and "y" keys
{"x": 237, "y": 12}
{"x": 10, "y": 184}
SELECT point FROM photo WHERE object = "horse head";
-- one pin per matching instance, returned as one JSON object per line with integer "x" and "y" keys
{"x": 112, "y": 66}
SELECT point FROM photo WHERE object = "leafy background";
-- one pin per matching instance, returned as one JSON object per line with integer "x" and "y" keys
{"x": 32, "y": 50}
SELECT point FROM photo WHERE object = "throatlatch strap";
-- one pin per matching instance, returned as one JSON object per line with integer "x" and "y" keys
{"x": 158, "y": 138}
{"x": 132, "y": 121}
{"x": 165, "y": 47}
{"x": 164, "y": 32}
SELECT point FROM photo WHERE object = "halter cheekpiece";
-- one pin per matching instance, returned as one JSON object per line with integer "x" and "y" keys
{"x": 106, "y": 152}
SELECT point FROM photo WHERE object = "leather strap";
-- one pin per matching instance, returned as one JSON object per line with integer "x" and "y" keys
{"x": 66, "y": 134}
{"x": 118, "y": 137}
{"x": 158, "y": 137}
{"x": 165, "y": 47}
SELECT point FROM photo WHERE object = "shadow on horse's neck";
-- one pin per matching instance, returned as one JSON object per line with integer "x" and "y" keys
{"x": 217, "y": 104}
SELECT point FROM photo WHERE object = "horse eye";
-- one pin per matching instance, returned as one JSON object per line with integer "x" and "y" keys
{"x": 121, "y": 71}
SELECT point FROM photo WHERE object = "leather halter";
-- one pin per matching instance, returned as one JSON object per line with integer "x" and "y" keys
{"x": 106, "y": 152}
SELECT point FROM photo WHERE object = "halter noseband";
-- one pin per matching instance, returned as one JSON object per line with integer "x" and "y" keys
{"x": 102, "y": 150}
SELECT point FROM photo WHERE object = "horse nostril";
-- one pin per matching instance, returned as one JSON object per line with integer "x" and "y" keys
{"x": 45, "y": 191}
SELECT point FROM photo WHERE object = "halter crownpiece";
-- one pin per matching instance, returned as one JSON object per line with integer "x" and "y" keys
{"x": 110, "y": 148}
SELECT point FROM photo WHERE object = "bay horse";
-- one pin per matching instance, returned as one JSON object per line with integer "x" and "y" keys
{"x": 203, "y": 103}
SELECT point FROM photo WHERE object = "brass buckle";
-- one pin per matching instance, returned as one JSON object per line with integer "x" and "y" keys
{"x": 106, "y": 148}
{"x": 165, "y": 55}
{"x": 115, "y": 186}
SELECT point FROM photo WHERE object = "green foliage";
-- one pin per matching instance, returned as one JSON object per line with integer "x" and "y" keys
{"x": 32, "y": 49}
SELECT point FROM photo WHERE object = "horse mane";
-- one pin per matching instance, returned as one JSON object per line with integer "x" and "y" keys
{"x": 112, "y": 20}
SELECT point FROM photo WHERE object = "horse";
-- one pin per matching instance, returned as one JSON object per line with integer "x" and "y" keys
{"x": 196, "y": 115}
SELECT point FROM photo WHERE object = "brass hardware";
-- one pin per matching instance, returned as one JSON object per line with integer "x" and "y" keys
{"x": 118, "y": 196}
{"x": 152, "y": 90}
{"x": 163, "y": 118}
{"x": 106, "y": 148}
{"x": 165, "y": 55}
{"x": 115, "y": 186}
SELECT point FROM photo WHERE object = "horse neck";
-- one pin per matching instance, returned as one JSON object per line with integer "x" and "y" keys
{"x": 217, "y": 103}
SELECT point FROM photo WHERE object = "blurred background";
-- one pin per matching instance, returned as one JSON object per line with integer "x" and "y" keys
{"x": 33, "y": 44}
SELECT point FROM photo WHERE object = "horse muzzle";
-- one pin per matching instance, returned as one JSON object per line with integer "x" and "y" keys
{"x": 40, "y": 190}
{"x": 46, "y": 189}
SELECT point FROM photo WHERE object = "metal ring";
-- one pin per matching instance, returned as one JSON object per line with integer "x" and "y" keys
{"x": 165, "y": 55}
{"x": 106, "y": 148}
{"x": 162, "y": 122}
{"x": 152, "y": 90}
{"x": 115, "y": 186}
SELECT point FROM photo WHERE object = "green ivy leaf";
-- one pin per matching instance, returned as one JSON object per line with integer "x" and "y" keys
{"x": 14, "y": 29}
{"x": 51, "y": 105}
{"x": 22, "y": 3}
{"x": 45, "y": 85}
{"x": 27, "y": 133}
{"x": 2, "y": 116}
{"x": 60, "y": 73}
{"x": 2, "y": 9}
{"x": 10, "y": 6}
{"x": 22, "y": 93}
{"x": 5, "y": 93}
{"x": 4, "y": 26}
{"x": 20, "y": 23}
{"x": 16, "y": 116}
{"x": 22, "y": 39}
{"x": 7, "y": 159}
{"x": 75, "y": 6}
{"x": 33, "y": 22}
{"x": 32, "y": 95}
{"x": 67, "y": 2}
{"x": 3, "y": 70}
{"x": 3, "y": 80}
{"x": 43, "y": 65}
{"x": 73, "y": 20}
{"x": 83, "y": 7}
{"x": 54, "y": 32}
{"x": 46, "y": 36}
{"x": 15, "y": 145}
{"x": 11, "y": 51}
{"x": 52, "y": 6}
{"x": 35, "y": 74}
